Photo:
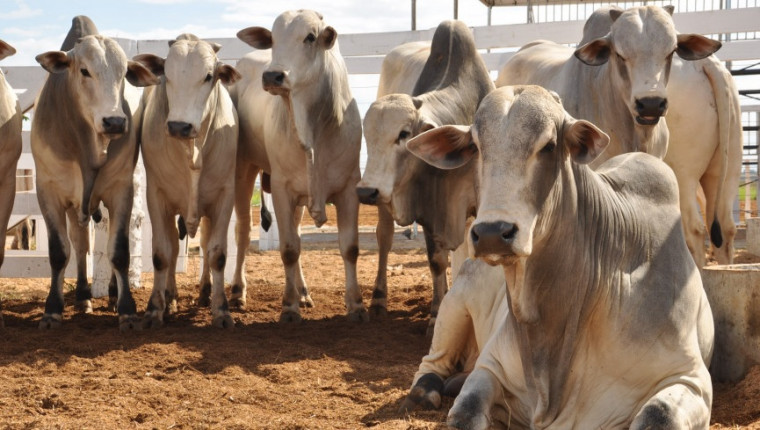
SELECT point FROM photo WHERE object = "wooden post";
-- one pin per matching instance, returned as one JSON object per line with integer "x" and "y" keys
{"x": 414, "y": 15}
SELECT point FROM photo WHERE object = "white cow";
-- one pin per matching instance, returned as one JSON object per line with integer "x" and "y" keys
{"x": 189, "y": 141}
{"x": 399, "y": 72}
{"x": 448, "y": 91}
{"x": 300, "y": 124}
{"x": 618, "y": 80}
{"x": 85, "y": 149}
{"x": 705, "y": 145}
{"x": 608, "y": 325}
{"x": 10, "y": 148}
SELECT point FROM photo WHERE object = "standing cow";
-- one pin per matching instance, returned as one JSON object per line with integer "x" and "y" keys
{"x": 705, "y": 144}
{"x": 608, "y": 325}
{"x": 301, "y": 125}
{"x": 618, "y": 81}
{"x": 10, "y": 148}
{"x": 453, "y": 82}
{"x": 85, "y": 149}
{"x": 189, "y": 134}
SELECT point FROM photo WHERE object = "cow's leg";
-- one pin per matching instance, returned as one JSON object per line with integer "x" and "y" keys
{"x": 438, "y": 260}
{"x": 7, "y": 195}
{"x": 347, "y": 206}
{"x": 80, "y": 241}
{"x": 245, "y": 178}
{"x": 453, "y": 342}
{"x": 59, "y": 250}
{"x": 472, "y": 408}
{"x": 693, "y": 226}
{"x": 120, "y": 209}
{"x": 171, "y": 278}
{"x": 306, "y": 300}
{"x": 384, "y": 234}
{"x": 675, "y": 407}
{"x": 204, "y": 293}
{"x": 113, "y": 293}
{"x": 216, "y": 254}
{"x": 164, "y": 236}
{"x": 290, "y": 252}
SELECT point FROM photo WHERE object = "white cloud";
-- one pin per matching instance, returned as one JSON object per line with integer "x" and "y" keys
{"x": 23, "y": 11}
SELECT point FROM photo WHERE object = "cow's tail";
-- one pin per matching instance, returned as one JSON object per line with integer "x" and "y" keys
{"x": 266, "y": 216}
{"x": 722, "y": 86}
{"x": 181, "y": 227}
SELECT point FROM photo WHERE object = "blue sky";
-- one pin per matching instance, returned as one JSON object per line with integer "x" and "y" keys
{"x": 33, "y": 27}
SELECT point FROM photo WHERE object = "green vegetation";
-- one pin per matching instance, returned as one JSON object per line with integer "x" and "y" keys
{"x": 753, "y": 191}
{"x": 256, "y": 198}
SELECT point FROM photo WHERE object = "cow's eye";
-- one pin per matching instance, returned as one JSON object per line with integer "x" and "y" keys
{"x": 403, "y": 134}
{"x": 85, "y": 73}
{"x": 548, "y": 148}
{"x": 310, "y": 38}
{"x": 208, "y": 78}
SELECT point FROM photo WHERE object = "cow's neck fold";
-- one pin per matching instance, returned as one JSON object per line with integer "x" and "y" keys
{"x": 564, "y": 278}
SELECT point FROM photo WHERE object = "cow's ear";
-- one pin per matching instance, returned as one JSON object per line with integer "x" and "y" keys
{"x": 584, "y": 140}
{"x": 258, "y": 37}
{"x": 417, "y": 102}
{"x": 693, "y": 47}
{"x": 54, "y": 61}
{"x": 227, "y": 74}
{"x": 446, "y": 147}
{"x": 596, "y": 52}
{"x": 669, "y": 9}
{"x": 6, "y": 50}
{"x": 327, "y": 37}
{"x": 154, "y": 63}
{"x": 139, "y": 75}
{"x": 615, "y": 14}
{"x": 215, "y": 46}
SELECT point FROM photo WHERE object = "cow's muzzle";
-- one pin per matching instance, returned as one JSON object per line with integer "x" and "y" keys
{"x": 274, "y": 82}
{"x": 114, "y": 125}
{"x": 650, "y": 109}
{"x": 368, "y": 196}
{"x": 182, "y": 130}
{"x": 493, "y": 238}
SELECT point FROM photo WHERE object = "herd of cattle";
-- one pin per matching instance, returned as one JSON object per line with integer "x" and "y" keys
{"x": 583, "y": 306}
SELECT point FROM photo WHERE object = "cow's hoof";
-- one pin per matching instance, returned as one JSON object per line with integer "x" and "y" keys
{"x": 426, "y": 394}
{"x": 84, "y": 306}
{"x": 51, "y": 321}
{"x": 359, "y": 315}
{"x": 223, "y": 321}
{"x": 306, "y": 302}
{"x": 290, "y": 317}
{"x": 237, "y": 303}
{"x": 112, "y": 304}
{"x": 129, "y": 323}
{"x": 171, "y": 307}
{"x": 378, "y": 311}
{"x": 152, "y": 321}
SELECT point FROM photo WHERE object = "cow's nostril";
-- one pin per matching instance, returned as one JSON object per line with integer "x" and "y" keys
{"x": 179, "y": 128}
{"x": 474, "y": 236}
{"x": 367, "y": 195}
{"x": 509, "y": 232}
{"x": 114, "y": 124}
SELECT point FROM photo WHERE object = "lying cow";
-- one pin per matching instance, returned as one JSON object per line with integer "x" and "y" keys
{"x": 85, "y": 149}
{"x": 448, "y": 91}
{"x": 10, "y": 147}
{"x": 299, "y": 123}
{"x": 608, "y": 325}
{"x": 705, "y": 144}
{"x": 624, "y": 93}
{"x": 189, "y": 134}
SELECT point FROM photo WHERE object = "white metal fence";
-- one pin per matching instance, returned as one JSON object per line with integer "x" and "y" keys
{"x": 364, "y": 54}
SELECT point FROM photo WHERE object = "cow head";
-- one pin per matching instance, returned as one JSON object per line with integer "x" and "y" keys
{"x": 299, "y": 41}
{"x": 96, "y": 68}
{"x": 192, "y": 72}
{"x": 388, "y": 124}
{"x": 639, "y": 48}
{"x": 6, "y": 50}
{"x": 526, "y": 141}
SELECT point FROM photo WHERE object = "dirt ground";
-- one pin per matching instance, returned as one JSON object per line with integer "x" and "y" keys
{"x": 325, "y": 373}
